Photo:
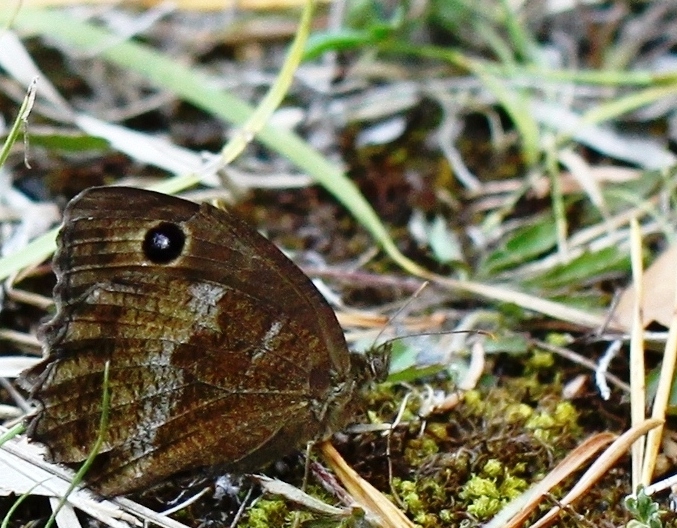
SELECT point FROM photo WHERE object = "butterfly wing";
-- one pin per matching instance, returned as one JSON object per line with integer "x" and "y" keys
{"x": 220, "y": 350}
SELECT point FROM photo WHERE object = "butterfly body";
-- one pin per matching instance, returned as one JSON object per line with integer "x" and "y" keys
{"x": 221, "y": 351}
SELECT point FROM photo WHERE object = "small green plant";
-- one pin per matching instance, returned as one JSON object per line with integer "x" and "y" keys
{"x": 645, "y": 509}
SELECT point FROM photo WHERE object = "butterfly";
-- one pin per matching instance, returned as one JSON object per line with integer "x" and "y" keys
{"x": 221, "y": 352}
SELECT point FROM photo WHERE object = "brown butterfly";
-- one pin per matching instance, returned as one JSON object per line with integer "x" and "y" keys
{"x": 222, "y": 352}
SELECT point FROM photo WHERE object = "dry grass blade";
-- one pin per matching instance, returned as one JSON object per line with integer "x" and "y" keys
{"x": 24, "y": 471}
{"x": 292, "y": 493}
{"x": 637, "y": 370}
{"x": 368, "y": 497}
{"x": 622, "y": 444}
{"x": 529, "y": 501}
{"x": 529, "y": 302}
{"x": 660, "y": 405}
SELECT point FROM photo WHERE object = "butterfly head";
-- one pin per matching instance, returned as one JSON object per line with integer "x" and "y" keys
{"x": 373, "y": 365}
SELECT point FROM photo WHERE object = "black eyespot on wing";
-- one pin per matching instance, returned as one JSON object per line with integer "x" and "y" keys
{"x": 164, "y": 243}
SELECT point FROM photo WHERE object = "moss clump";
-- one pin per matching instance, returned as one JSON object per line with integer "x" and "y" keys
{"x": 477, "y": 458}
{"x": 409, "y": 496}
{"x": 518, "y": 412}
{"x": 548, "y": 425}
{"x": 266, "y": 513}
{"x": 423, "y": 500}
{"x": 420, "y": 449}
{"x": 540, "y": 360}
{"x": 488, "y": 492}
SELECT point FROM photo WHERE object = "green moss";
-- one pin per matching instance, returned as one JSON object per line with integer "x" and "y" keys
{"x": 432, "y": 490}
{"x": 266, "y": 513}
{"x": 542, "y": 425}
{"x": 485, "y": 496}
{"x": 488, "y": 450}
{"x": 426, "y": 519}
{"x": 420, "y": 449}
{"x": 566, "y": 415}
{"x": 484, "y": 507}
{"x": 558, "y": 339}
{"x": 493, "y": 468}
{"x": 518, "y": 412}
{"x": 548, "y": 425}
{"x": 423, "y": 500}
{"x": 512, "y": 487}
{"x": 473, "y": 400}
{"x": 540, "y": 361}
{"x": 406, "y": 489}
{"x": 479, "y": 487}
{"x": 438, "y": 431}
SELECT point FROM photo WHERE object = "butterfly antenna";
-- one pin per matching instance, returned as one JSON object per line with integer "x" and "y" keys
{"x": 400, "y": 310}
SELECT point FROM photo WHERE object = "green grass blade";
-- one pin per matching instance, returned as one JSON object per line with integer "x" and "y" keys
{"x": 20, "y": 120}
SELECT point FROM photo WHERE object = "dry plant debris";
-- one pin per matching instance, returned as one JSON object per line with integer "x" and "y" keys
{"x": 500, "y": 150}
